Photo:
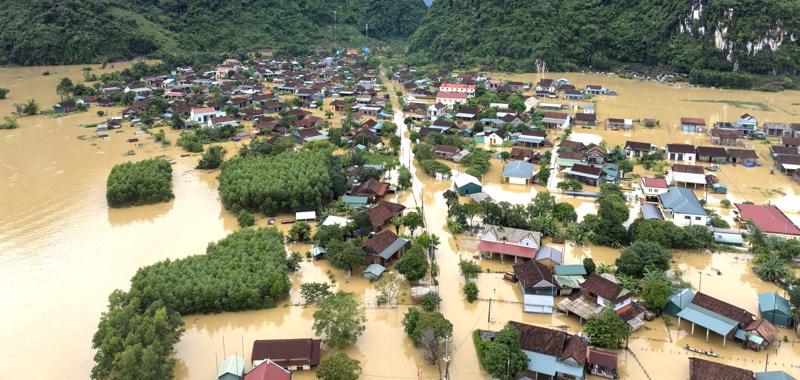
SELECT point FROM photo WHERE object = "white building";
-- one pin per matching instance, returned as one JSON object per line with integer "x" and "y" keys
{"x": 450, "y": 99}
{"x": 682, "y": 207}
{"x": 468, "y": 89}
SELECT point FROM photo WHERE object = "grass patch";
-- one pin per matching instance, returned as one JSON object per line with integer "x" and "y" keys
{"x": 758, "y": 106}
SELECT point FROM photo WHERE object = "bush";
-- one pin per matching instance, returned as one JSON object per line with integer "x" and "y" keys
{"x": 245, "y": 219}
{"x": 641, "y": 256}
{"x": 212, "y": 158}
{"x": 416, "y": 321}
{"x": 338, "y": 366}
{"x": 471, "y": 291}
{"x": 430, "y": 301}
{"x": 307, "y": 180}
{"x": 433, "y": 167}
{"x": 3, "y": 92}
{"x": 144, "y": 182}
{"x": 190, "y": 143}
{"x": 9, "y": 122}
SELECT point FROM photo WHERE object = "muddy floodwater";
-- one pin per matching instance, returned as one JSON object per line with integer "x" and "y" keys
{"x": 62, "y": 251}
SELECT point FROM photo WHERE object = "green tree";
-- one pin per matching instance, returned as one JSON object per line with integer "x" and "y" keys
{"x": 412, "y": 221}
{"x": 772, "y": 269}
{"x": 340, "y": 319}
{"x": 606, "y": 330}
{"x": 312, "y": 292}
{"x": 144, "y": 182}
{"x": 65, "y": 88}
{"x": 589, "y": 265}
{"x": 338, "y": 366}
{"x": 471, "y": 291}
{"x": 363, "y": 223}
{"x": 413, "y": 265}
{"x": 177, "y": 122}
{"x": 656, "y": 289}
{"x": 9, "y": 122}
{"x": 3, "y": 92}
{"x": 502, "y": 357}
{"x": 345, "y": 255}
{"x": 327, "y": 234}
{"x": 469, "y": 269}
{"x": 245, "y": 218}
{"x": 300, "y": 231}
{"x": 564, "y": 213}
{"x": 404, "y": 178}
{"x": 641, "y": 256}
{"x": 212, "y": 158}
{"x": 388, "y": 287}
{"x": 416, "y": 321}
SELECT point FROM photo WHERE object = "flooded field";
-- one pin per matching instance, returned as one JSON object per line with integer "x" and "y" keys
{"x": 62, "y": 251}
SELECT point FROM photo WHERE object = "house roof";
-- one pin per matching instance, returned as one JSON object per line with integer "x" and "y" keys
{"x": 711, "y": 151}
{"x": 555, "y": 116}
{"x": 585, "y": 116}
{"x": 233, "y": 364}
{"x": 268, "y": 370}
{"x": 379, "y": 242}
{"x": 518, "y": 169}
{"x": 764, "y": 329}
{"x": 532, "y": 272}
{"x": 383, "y": 212}
{"x": 682, "y": 297}
{"x": 586, "y": 170}
{"x": 288, "y": 352}
{"x": 651, "y": 211}
{"x": 693, "y": 121}
{"x": 551, "y": 342}
{"x": 638, "y": 146}
{"x": 605, "y": 288}
{"x": 463, "y": 179}
{"x": 507, "y": 249}
{"x": 549, "y": 253}
{"x": 658, "y": 183}
{"x": 680, "y": 148}
{"x": 682, "y": 200}
{"x": 203, "y": 110}
{"x": 451, "y": 95}
{"x": 681, "y": 168}
{"x": 742, "y": 153}
{"x": 513, "y": 235}
{"x": 774, "y": 375}
{"x": 768, "y": 218}
{"x": 723, "y": 308}
{"x": 371, "y": 187}
{"x": 701, "y": 369}
{"x": 771, "y": 301}
{"x": 373, "y": 271}
{"x": 570, "y": 270}
{"x": 446, "y": 149}
{"x": 602, "y": 358}
{"x": 709, "y": 319}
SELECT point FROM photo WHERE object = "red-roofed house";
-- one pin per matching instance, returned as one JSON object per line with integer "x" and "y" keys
{"x": 268, "y": 370}
{"x": 654, "y": 186}
{"x": 450, "y": 99}
{"x": 769, "y": 219}
{"x": 692, "y": 124}
{"x": 509, "y": 241}
{"x": 468, "y": 89}
{"x": 602, "y": 363}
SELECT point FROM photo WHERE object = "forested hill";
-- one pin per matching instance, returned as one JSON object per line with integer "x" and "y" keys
{"x": 36, "y": 32}
{"x": 757, "y": 36}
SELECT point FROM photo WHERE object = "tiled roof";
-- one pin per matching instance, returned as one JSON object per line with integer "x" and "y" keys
{"x": 603, "y": 287}
{"x": 768, "y": 218}
{"x": 531, "y": 272}
{"x": 700, "y": 369}
{"x": 723, "y": 308}
{"x": 288, "y": 352}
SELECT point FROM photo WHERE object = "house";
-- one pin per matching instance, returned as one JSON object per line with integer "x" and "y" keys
{"x": 549, "y": 256}
{"x": 466, "y": 184}
{"x": 304, "y": 135}
{"x": 556, "y": 120}
{"x": 637, "y": 149}
{"x": 568, "y": 278}
{"x": 590, "y": 175}
{"x": 203, "y": 115}
{"x": 681, "y": 152}
{"x": 678, "y": 301}
{"x": 687, "y": 175}
{"x": 508, "y": 241}
{"x": 450, "y": 99}
{"x": 573, "y": 94}
{"x": 373, "y": 272}
{"x": 354, "y": 201}
{"x": 715, "y": 315}
{"x": 546, "y": 85}
{"x": 232, "y": 368}
{"x": 66, "y": 106}
{"x": 692, "y": 124}
{"x": 775, "y": 309}
{"x": 594, "y": 89}
{"x": 595, "y": 156}
{"x": 292, "y": 354}
{"x": 787, "y": 163}
{"x": 518, "y": 172}
{"x": 681, "y": 206}
{"x": 383, "y": 212}
{"x": 535, "y": 278}
{"x": 568, "y": 158}
{"x": 711, "y": 154}
{"x": 587, "y": 119}
{"x": 384, "y": 247}
{"x": 467, "y": 112}
{"x": 222, "y": 121}
{"x": 757, "y": 335}
{"x": 769, "y": 219}
{"x": 532, "y": 138}
{"x": 789, "y": 141}
{"x": 778, "y": 129}
{"x": 747, "y": 124}
{"x": 445, "y": 151}
{"x": 268, "y": 370}
{"x": 727, "y": 137}
{"x": 653, "y": 187}
{"x": 616, "y": 124}
{"x": 436, "y": 111}
{"x": 742, "y": 155}
{"x": 602, "y": 363}
{"x": 551, "y": 353}
{"x": 597, "y": 293}
{"x": 495, "y": 137}
{"x": 372, "y": 189}
{"x": 701, "y": 369}
{"x": 468, "y": 89}
{"x": 523, "y": 154}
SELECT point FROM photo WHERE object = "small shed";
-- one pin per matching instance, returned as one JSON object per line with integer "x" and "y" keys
{"x": 334, "y": 220}
{"x": 466, "y": 184}
{"x": 317, "y": 252}
{"x": 305, "y": 216}
{"x": 678, "y": 301}
{"x": 549, "y": 256}
{"x": 373, "y": 271}
{"x": 775, "y": 309}
{"x": 729, "y": 238}
{"x": 538, "y": 304}
{"x": 232, "y": 368}
{"x": 602, "y": 363}
{"x": 354, "y": 201}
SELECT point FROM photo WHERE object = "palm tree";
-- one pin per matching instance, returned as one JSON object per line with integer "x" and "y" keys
{"x": 397, "y": 221}
{"x": 433, "y": 244}
{"x": 772, "y": 269}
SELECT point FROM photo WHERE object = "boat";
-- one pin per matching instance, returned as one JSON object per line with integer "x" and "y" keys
{"x": 128, "y": 153}
{"x": 713, "y": 168}
{"x": 701, "y": 351}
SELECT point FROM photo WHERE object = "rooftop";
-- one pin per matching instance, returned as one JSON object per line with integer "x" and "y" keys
{"x": 768, "y": 218}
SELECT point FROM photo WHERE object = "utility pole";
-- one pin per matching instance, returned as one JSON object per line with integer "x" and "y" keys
{"x": 447, "y": 340}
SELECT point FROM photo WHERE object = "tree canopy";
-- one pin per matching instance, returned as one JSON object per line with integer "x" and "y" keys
{"x": 138, "y": 183}
{"x": 339, "y": 319}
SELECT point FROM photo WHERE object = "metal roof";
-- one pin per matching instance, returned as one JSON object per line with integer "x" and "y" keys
{"x": 570, "y": 270}
{"x": 373, "y": 271}
{"x": 549, "y": 253}
{"x": 771, "y": 301}
{"x": 774, "y": 375}
{"x": 708, "y": 319}
{"x": 393, "y": 248}
{"x": 233, "y": 364}
{"x": 682, "y": 297}
{"x": 682, "y": 201}
{"x": 538, "y": 300}
{"x": 549, "y": 365}
{"x": 651, "y": 211}
{"x": 518, "y": 169}
{"x": 726, "y": 238}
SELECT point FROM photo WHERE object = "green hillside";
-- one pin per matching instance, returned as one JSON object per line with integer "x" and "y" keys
{"x": 36, "y": 32}
{"x": 756, "y": 36}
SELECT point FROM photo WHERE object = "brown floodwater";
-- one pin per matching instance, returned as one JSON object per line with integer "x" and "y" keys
{"x": 62, "y": 251}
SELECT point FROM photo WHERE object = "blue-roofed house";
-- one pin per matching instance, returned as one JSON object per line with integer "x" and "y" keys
{"x": 569, "y": 277}
{"x": 678, "y": 300}
{"x": 774, "y": 375}
{"x": 775, "y": 309}
{"x": 549, "y": 256}
{"x": 232, "y": 368}
{"x": 682, "y": 207}
{"x": 466, "y": 184}
{"x": 354, "y": 201}
{"x": 715, "y": 315}
{"x": 518, "y": 172}
{"x": 373, "y": 271}
{"x": 552, "y": 354}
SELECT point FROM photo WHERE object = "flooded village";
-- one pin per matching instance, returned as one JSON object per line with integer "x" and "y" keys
{"x": 549, "y": 207}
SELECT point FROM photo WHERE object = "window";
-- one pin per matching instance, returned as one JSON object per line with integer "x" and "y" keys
{"x": 697, "y": 218}
{"x": 687, "y": 217}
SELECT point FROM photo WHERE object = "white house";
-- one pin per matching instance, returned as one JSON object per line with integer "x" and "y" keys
{"x": 687, "y": 175}
{"x": 450, "y": 99}
{"x": 681, "y": 152}
{"x": 497, "y": 137}
{"x": 436, "y": 111}
{"x": 654, "y": 186}
{"x": 468, "y": 89}
{"x": 682, "y": 207}
{"x": 203, "y": 115}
